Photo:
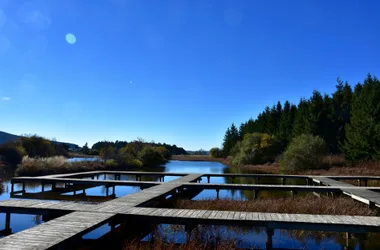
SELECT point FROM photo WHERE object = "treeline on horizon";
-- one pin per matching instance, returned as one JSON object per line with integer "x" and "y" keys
{"x": 96, "y": 148}
{"x": 116, "y": 154}
{"x": 348, "y": 121}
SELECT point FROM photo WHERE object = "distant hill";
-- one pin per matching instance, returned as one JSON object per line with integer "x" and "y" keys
{"x": 6, "y": 137}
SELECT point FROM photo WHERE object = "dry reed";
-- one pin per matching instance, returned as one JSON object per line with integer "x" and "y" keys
{"x": 299, "y": 205}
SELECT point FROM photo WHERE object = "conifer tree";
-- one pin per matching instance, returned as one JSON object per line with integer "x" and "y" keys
{"x": 363, "y": 132}
{"x": 301, "y": 118}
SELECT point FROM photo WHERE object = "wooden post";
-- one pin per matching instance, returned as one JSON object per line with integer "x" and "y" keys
{"x": 97, "y": 177}
{"x": 113, "y": 190}
{"x": 365, "y": 182}
{"x": 359, "y": 182}
{"x": 208, "y": 179}
{"x": 84, "y": 191}
{"x": 255, "y": 194}
{"x": 92, "y": 177}
{"x": 361, "y": 239}
{"x": 257, "y": 180}
{"x": 294, "y": 193}
{"x": 7, "y": 230}
{"x": 107, "y": 191}
{"x": 75, "y": 192}
{"x": 283, "y": 180}
{"x": 23, "y": 187}
{"x": 307, "y": 182}
{"x": 217, "y": 194}
{"x": 163, "y": 178}
{"x": 347, "y": 237}
{"x": 42, "y": 187}
{"x": 233, "y": 179}
{"x": 12, "y": 188}
{"x": 269, "y": 243}
{"x": 53, "y": 186}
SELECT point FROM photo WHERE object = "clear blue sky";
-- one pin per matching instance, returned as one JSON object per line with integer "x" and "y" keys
{"x": 177, "y": 71}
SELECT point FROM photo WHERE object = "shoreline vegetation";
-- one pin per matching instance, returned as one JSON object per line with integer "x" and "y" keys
{"x": 35, "y": 155}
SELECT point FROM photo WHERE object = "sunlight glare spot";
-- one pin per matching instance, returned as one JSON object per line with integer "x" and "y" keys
{"x": 70, "y": 38}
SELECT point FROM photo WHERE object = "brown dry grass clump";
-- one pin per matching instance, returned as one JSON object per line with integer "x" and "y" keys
{"x": 361, "y": 169}
{"x": 270, "y": 168}
{"x": 58, "y": 165}
{"x": 298, "y": 205}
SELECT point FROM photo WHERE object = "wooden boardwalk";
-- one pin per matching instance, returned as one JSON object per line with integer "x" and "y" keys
{"x": 364, "y": 195}
{"x": 54, "y": 232}
{"x": 79, "y": 218}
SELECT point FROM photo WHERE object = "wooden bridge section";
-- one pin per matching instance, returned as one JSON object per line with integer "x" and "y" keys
{"x": 73, "y": 220}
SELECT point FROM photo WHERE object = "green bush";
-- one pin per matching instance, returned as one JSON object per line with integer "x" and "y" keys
{"x": 149, "y": 156}
{"x": 12, "y": 153}
{"x": 216, "y": 153}
{"x": 304, "y": 152}
{"x": 111, "y": 163}
{"x": 135, "y": 163}
{"x": 108, "y": 152}
{"x": 164, "y": 152}
{"x": 255, "y": 148}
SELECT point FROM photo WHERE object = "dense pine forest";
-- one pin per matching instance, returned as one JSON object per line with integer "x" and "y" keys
{"x": 348, "y": 121}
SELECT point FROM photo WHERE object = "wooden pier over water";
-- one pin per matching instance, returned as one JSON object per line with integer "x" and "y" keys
{"x": 73, "y": 220}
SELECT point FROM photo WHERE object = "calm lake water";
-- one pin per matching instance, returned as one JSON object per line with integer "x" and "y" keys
{"x": 247, "y": 238}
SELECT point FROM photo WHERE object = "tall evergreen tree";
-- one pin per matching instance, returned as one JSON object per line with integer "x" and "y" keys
{"x": 227, "y": 142}
{"x": 286, "y": 124}
{"x": 230, "y": 139}
{"x": 363, "y": 131}
{"x": 341, "y": 99}
{"x": 273, "y": 120}
{"x": 301, "y": 118}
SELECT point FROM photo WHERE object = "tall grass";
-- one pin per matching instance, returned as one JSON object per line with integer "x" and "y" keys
{"x": 57, "y": 165}
{"x": 298, "y": 205}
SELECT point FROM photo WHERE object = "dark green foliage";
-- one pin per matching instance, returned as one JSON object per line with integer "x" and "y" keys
{"x": 230, "y": 139}
{"x": 149, "y": 156}
{"x": 347, "y": 121}
{"x": 164, "y": 152}
{"x": 303, "y": 153}
{"x": 216, "y": 153}
{"x": 363, "y": 132}
{"x": 12, "y": 153}
{"x": 36, "y": 146}
{"x": 341, "y": 113}
{"x": 108, "y": 152}
{"x": 85, "y": 149}
{"x": 255, "y": 148}
{"x": 173, "y": 149}
{"x": 284, "y": 134}
{"x": 301, "y": 118}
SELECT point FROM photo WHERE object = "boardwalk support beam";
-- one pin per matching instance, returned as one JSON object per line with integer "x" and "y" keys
{"x": 269, "y": 243}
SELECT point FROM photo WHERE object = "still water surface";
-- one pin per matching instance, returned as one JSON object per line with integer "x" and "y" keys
{"x": 248, "y": 238}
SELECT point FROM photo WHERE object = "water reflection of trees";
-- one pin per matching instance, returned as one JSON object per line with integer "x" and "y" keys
{"x": 249, "y": 180}
{"x": 240, "y": 236}
{"x": 2, "y": 188}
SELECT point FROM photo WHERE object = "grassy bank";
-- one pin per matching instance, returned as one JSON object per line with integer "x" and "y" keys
{"x": 299, "y": 205}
